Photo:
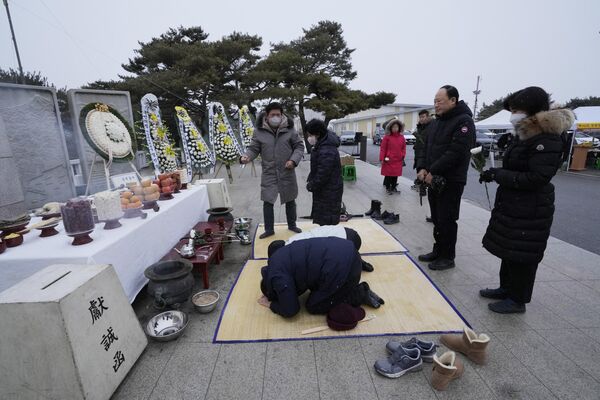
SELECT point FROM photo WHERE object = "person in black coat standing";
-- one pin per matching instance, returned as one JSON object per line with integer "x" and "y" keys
{"x": 328, "y": 267}
{"x": 447, "y": 155}
{"x": 520, "y": 223}
{"x": 325, "y": 177}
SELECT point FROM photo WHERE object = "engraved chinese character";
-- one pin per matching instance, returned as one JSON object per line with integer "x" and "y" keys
{"x": 97, "y": 308}
{"x": 119, "y": 359}
{"x": 108, "y": 338}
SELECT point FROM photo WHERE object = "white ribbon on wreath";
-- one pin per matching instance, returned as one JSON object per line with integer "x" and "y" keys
{"x": 228, "y": 152}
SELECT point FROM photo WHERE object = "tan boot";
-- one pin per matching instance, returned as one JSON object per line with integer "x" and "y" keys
{"x": 470, "y": 344}
{"x": 445, "y": 369}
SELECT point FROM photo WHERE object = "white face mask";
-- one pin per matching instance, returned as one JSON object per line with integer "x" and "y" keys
{"x": 275, "y": 121}
{"x": 312, "y": 140}
{"x": 516, "y": 118}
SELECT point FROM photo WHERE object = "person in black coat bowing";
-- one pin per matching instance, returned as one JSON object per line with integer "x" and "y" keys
{"x": 447, "y": 155}
{"x": 328, "y": 267}
{"x": 325, "y": 177}
{"x": 520, "y": 223}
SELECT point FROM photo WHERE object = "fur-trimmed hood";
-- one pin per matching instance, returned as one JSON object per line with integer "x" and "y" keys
{"x": 388, "y": 125}
{"x": 261, "y": 122}
{"x": 553, "y": 121}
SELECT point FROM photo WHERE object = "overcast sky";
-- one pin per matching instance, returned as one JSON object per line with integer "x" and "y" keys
{"x": 410, "y": 48}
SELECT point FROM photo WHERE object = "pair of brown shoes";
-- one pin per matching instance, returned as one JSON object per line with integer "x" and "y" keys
{"x": 448, "y": 367}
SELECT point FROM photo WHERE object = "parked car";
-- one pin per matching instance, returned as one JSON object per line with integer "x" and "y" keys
{"x": 582, "y": 138}
{"x": 347, "y": 137}
{"x": 409, "y": 137}
{"x": 485, "y": 139}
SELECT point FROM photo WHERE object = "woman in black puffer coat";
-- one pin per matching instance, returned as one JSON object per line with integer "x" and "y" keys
{"x": 325, "y": 177}
{"x": 522, "y": 216}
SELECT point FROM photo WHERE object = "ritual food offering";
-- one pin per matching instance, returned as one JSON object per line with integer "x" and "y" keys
{"x": 108, "y": 206}
{"x": 176, "y": 179}
{"x": 167, "y": 186}
{"x": 130, "y": 201}
{"x": 13, "y": 240}
{"x": 49, "y": 210}
{"x": 78, "y": 220}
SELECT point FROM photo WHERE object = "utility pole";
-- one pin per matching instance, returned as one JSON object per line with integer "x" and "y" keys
{"x": 475, "y": 92}
{"x": 12, "y": 31}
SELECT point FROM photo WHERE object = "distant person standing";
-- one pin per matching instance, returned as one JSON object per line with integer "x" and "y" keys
{"x": 281, "y": 150}
{"x": 324, "y": 180}
{"x": 421, "y": 142}
{"x": 524, "y": 206}
{"x": 392, "y": 153}
{"x": 447, "y": 156}
{"x": 421, "y": 138}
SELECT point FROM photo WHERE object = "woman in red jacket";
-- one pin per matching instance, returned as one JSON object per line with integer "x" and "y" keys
{"x": 391, "y": 154}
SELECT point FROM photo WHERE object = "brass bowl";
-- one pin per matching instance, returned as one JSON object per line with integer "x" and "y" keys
{"x": 206, "y": 300}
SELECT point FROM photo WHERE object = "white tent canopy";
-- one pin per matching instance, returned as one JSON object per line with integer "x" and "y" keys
{"x": 500, "y": 120}
{"x": 588, "y": 117}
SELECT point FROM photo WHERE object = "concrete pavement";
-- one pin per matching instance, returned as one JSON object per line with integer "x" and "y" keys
{"x": 551, "y": 351}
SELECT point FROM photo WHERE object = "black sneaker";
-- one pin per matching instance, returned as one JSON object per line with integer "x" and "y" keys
{"x": 440, "y": 264}
{"x": 507, "y": 306}
{"x": 385, "y": 214}
{"x": 391, "y": 219}
{"x": 429, "y": 256}
{"x": 295, "y": 229}
{"x": 266, "y": 234}
{"x": 499, "y": 293}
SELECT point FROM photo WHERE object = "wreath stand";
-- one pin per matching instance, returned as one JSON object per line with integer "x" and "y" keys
{"x": 106, "y": 173}
{"x": 228, "y": 168}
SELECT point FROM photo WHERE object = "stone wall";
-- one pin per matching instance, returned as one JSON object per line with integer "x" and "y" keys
{"x": 33, "y": 152}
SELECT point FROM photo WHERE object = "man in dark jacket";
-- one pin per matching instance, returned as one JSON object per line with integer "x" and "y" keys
{"x": 281, "y": 150}
{"x": 325, "y": 178}
{"x": 328, "y": 267}
{"x": 447, "y": 155}
{"x": 420, "y": 145}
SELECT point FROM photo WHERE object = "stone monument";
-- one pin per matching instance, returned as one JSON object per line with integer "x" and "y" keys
{"x": 33, "y": 154}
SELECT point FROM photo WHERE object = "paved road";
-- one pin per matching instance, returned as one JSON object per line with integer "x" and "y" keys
{"x": 577, "y": 215}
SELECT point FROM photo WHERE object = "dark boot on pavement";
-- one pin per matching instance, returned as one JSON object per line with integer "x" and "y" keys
{"x": 375, "y": 205}
{"x": 440, "y": 264}
{"x": 391, "y": 219}
{"x": 376, "y": 214}
{"x": 266, "y": 234}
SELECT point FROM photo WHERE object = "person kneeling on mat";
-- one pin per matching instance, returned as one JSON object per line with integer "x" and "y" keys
{"x": 328, "y": 267}
{"x": 334, "y": 231}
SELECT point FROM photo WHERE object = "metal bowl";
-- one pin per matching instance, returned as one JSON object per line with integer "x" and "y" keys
{"x": 202, "y": 305}
{"x": 167, "y": 326}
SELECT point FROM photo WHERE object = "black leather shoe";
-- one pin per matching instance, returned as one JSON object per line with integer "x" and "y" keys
{"x": 429, "y": 256}
{"x": 499, "y": 294}
{"x": 385, "y": 214}
{"x": 367, "y": 267}
{"x": 295, "y": 229}
{"x": 266, "y": 234}
{"x": 391, "y": 219}
{"x": 441, "y": 264}
{"x": 507, "y": 306}
{"x": 376, "y": 297}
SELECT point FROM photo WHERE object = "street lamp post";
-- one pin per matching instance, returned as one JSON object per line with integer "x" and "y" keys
{"x": 12, "y": 31}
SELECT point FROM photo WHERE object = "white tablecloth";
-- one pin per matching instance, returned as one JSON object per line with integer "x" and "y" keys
{"x": 130, "y": 249}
